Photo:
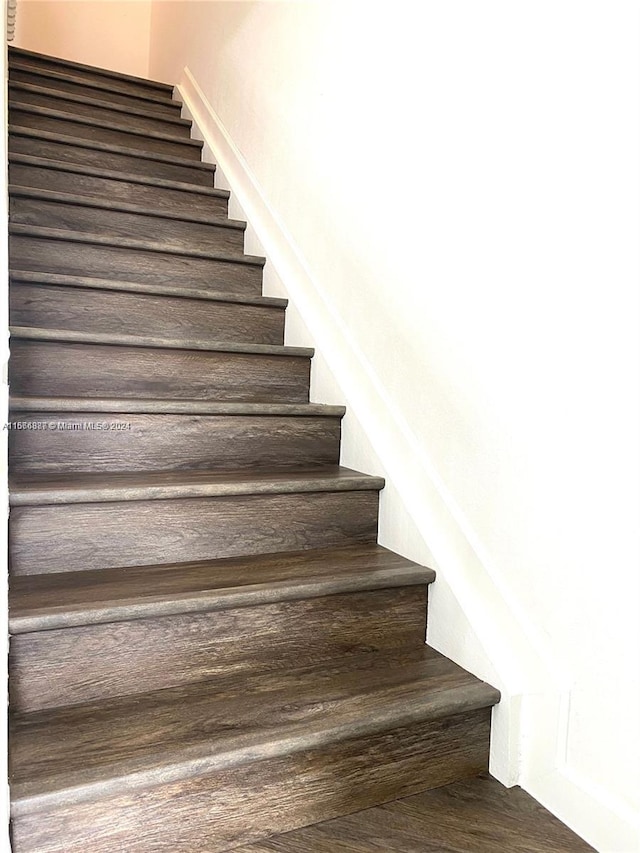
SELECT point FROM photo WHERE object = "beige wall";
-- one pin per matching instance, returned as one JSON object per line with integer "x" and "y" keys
{"x": 112, "y": 34}
{"x": 448, "y": 192}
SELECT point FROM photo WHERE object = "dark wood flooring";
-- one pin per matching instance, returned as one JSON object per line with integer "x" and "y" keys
{"x": 474, "y": 816}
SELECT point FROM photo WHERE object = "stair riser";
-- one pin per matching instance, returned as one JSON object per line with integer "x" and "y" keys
{"x": 245, "y": 803}
{"x": 148, "y": 102}
{"x": 69, "y": 153}
{"x": 62, "y": 443}
{"x": 50, "y": 369}
{"x": 67, "y": 257}
{"x": 72, "y": 665}
{"x": 112, "y": 136}
{"x": 75, "y": 537}
{"x": 133, "y": 120}
{"x": 158, "y": 198}
{"x": 117, "y": 312}
{"x": 95, "y": 220}
{"x": 117, "y": 84}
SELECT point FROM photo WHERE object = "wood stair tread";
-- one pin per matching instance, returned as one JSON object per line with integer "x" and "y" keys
{"x": 128, "y": 177}
{"x": 159, "y": 98}
{"x": 45, "y": 602}
{"x": 131, "y": 243}
{"x": 124, "y": 207}
{"x": 169, "y": 406}
{"x": 91, "y": 100}
{"x": 143, "y": 341}
{"x": 23, "y": 55}
{"x": 86, "y": 752}
{"x": 38, "y": 277}
{"x": 107, "y": 147}
{"x": 74, "y": 118}
{"x": 40, "y": 489}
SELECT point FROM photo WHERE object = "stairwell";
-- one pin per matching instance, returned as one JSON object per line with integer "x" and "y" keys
{"x": 208, "y": 646}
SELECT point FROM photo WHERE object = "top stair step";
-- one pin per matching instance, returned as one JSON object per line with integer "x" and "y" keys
{"x": 21, "y": 58}
{"x": 68, "y": 81}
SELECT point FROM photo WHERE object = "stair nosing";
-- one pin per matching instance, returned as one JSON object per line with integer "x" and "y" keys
{"x": 149, "y": 97}
{"x": 286, "y": 739}
{"x": 73, "y": 118}
{"x": 109, "y": 147}
{"x": 18, "y": 277}
{"x": 60, "y": 94}
{"x": 39, "y": 494}
{"x": 79, "y": 200}
{"x": 161, "y": 406}
{"x": 114, "y": 175}
{"x": 34, "y": 333}
{"x": 73, "y": 236}
{"x": 94, "y": 69}
{"x": 225, "y": 598}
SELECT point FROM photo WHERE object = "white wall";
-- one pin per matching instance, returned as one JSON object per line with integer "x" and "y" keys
{"x": 449, "y": 193}
{"x": 112, "y": 34}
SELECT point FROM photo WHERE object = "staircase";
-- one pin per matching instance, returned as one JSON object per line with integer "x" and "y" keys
{"x": 208, "y": 646}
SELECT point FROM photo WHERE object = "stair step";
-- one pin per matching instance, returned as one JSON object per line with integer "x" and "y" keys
{"x": 21, "y": 58}
{"x": 67, "y": 81}
{"x": 183, "y": 231}
{"x": 392, "y": 724}
{"x": 58, "y": 121}
{"x": 82, "y": 522}
{"x": 49, "y": 362}
{"x": 86, "y": 636}
{"x": 145, "y": 118}
{"x": 102, "y": 155}
{"x": 75, "y": 305}
{"x": 117, "y": 187}
{"x": 66, "y": 252}
{"x": 54, "y": 442}
{"x": 168, "y": 406}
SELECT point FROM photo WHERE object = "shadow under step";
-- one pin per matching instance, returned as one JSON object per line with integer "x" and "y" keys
{"x": 58, "y": 121}
{"x": 86, "y": 636}
{"x": 56, "y": 362}
{"x": 67, "y": 252}
{"x": 102, "y": 155}
{"x": 117, "y": 80}
{"x": 113, "y": 186}
{"x": 80, "y": 522}
{"x": 102, "y": 306}
{"x": 220, "y": 763}
{"x": 177, "y": 230}
{"x": 66, "y": 81}
{"x": 144, "y": 118}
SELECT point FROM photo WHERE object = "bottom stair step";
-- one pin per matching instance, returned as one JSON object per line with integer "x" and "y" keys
{"x": 221, "y": 763}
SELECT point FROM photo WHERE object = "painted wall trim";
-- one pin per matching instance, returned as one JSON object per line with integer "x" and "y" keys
{"x": 530, "y": 724}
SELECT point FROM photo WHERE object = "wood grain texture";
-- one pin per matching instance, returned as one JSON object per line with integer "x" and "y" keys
{"x": 116, "y": 186}
{"x": 69, "y": 369}
{"x": 22, "y": 58}
{"x": 64, "y": 253}
{"x": 65, "y": 81}
{"x": 169, "y": 406}
{"x": 473, "y": 816}
{"x": 109, "y": 311}
{"x": 72, "y": 599}
{"x": 65, "y": 148}
{"x": 76, "y": 537}
{"x": 231, "y": 807}
{"x": 77, "y": 214}
{"x": 57, "y": 121}
{"x": 67, "y": 666}
{"x": 84, "y": 442}
{"x": 143, "y": 118}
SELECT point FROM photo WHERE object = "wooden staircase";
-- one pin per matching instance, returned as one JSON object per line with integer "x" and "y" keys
{"x": 208, "y": 646}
